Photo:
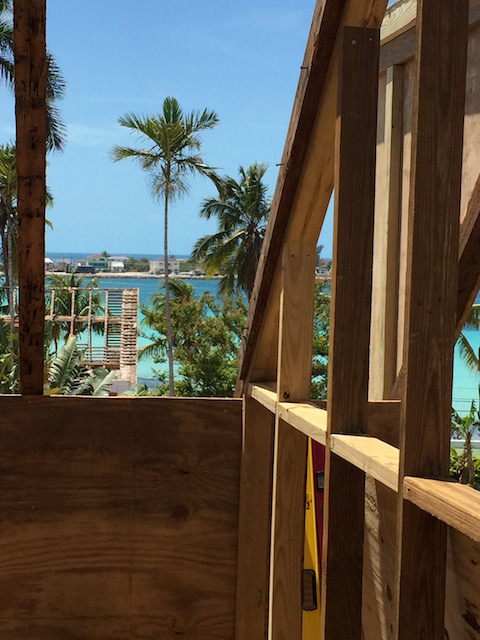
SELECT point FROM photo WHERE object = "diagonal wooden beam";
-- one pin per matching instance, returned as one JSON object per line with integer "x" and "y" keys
{"x": 305, "y": 180}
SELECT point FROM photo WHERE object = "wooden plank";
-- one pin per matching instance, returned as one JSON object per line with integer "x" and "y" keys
{"x": 305, "y": 180}
{"x": 310, "y": 420}
{"x": 469, "y": 259}
{"x": 439, "y": 102}
{"x": 290, "y": 457}
{"x": 455, "y": 504}
{"x": 349, "y": 344}
{"x": 383, "y": 349}
{"x": 265, "y": 394}
{"x": 288, "y": 533}
{"x": 296, "y": 322}
{"x": 462, "y": 619}
{"x": 254, "y": 522}
{"x": 400, "y": 47}
{"x": 376, "y": 458}
{"x": 119, "y": 518}
{"x": 399, "y": 18}
{"x": 384, "y": 421}
{"x": 31, "y": 136}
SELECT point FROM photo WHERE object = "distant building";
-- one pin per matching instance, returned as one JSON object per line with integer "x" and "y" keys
{"x": 62, "y": 264}
{"x": 101, "y": 263}
{"x": 117, "y": 265}
{"x": 158, "y": 266}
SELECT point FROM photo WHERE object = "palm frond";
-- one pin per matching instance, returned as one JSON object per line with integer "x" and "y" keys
{"x": 468, "y": 354}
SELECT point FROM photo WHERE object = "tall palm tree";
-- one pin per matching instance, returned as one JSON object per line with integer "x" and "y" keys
{"x": 242, "y": 210}
{"x": 56, "y": 130}
{"x": 173, "y": 152}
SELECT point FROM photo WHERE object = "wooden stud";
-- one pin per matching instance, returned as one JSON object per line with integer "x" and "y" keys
{"x": 254, "y": 530}
{"x": 290, "y": 449}
{"x": 383, "y": 365}
{"x": 349, "y": 342}
{"x": 439, "y": 102}
{"x": 31, "y": 125}
{"x": 296, "y": 323}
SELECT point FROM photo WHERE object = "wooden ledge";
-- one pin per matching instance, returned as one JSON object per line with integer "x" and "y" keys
{"x": 455, "y": 504}
{"x": 376, "y": 458}
{"x": 305, "y": 417}
{"x": 264, "y": 393}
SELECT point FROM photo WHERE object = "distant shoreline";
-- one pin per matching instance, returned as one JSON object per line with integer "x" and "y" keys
{"x": 131, "y": 274}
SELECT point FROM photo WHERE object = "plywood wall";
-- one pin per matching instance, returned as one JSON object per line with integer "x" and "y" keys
{"x": 118, "y": 518}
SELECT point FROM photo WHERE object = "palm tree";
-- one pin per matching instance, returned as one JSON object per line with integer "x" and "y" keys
{"x": 242, "y": 210}
{"x": 173, "y": 152}
{"x": 56, "y": 129}
{"x": 8, "y": 220}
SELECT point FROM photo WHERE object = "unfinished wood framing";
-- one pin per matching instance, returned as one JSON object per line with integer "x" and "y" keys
{"x": 431, "y": 307}
{"x": 415, "y": 317}
{"x": 150, "y": 518}
{"x": 290, "y": 448}
{"x": 347, "y": 404}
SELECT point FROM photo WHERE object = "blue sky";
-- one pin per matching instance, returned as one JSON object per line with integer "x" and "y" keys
{"x": 243, "y": 61}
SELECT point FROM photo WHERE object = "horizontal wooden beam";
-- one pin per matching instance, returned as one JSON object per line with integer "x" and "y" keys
{"x": 376, "y": 458}
{"x": 398, "y": 32}
{"x": 370, "y": 454}
{"x": 455, "y": 504}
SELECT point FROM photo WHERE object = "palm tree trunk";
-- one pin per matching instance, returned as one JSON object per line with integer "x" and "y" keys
{"x": 470, "y": 465}
{"x": 168, "y": 311}
{"x": 10, "y": 282}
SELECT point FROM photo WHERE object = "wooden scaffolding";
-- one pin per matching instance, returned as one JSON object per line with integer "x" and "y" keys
{"x": 154, "y": 493}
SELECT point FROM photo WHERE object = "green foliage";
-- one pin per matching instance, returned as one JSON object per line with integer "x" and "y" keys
{"x": 132, "y": 264}
{"x": 464, "y": 427}
{"x": 9, "y": 374}
{"x": 206, "y": 339}
{"x": 55, "y": 82}
{"x": 459, "y": 469}
{"x": 86, "y": 302}
{"x": 321, "y": 327}
{"x": 173, "y": 154}
{"x": 241, "y": 209}
{"x": 68, "y": 375}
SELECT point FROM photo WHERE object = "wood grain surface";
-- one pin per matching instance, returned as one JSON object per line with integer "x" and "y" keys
{"x": 437, "y": 133}
{"x": 347, "y": 402}
{"x": 119, "y": 518}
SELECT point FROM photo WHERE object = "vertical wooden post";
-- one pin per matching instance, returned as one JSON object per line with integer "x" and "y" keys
{"x": 254, "y": 522}
{"x": 350, "y": 334}
{"x": 394, "y": 141}
{"x": 386, "y": 246}
{"x": 432, "y": 273}
{"x": 290, "y": 449}
{"x": 31, "y": 123}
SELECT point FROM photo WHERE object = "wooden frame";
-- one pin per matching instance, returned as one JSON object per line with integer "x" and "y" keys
{"x": 392, "y": 442}
{"x": 399, "y": 446}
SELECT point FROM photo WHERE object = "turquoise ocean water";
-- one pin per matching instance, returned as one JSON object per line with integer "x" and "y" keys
{"x": 465, "y": 383}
